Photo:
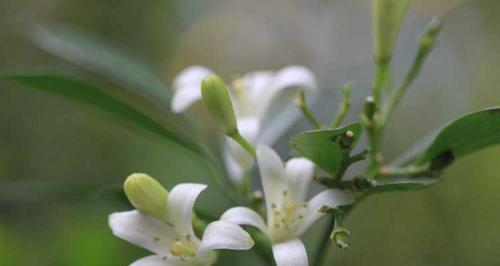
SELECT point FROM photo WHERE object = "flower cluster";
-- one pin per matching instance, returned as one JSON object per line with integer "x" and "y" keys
{"x": 162, "y": 221}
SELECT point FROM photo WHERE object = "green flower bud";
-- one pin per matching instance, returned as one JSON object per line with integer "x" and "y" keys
{"x": 369, "y": 108}
{"x": 388, "y": 16}
{"x": 147, "y": 195}
{"x": 218, "y": 102}
{"x": 428, "y": 39}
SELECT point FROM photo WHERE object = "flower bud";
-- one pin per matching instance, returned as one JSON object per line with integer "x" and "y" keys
{"x": 387, "y": 19}
{"x": 369, "y": 107}
{"x": 428, "y": 39}
{"x": 147, "y": 195}
{"x": 218, "y": 102}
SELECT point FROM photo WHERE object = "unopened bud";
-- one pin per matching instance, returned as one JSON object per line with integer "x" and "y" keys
{"x": 388, "y": 16}
{"x": 369, "y": 107}
{"x": 147, "y": 195}
{"x": 428, "y": 39}
{"x": 218, "y": 102}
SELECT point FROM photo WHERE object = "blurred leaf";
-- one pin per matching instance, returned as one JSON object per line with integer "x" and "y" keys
{"x": 404, "y": 184}
{"x": 322, "y": 146}
{"x": 463, "y": 136}
{"x": 90, "y": 95}
{"x": 103, "y": 58}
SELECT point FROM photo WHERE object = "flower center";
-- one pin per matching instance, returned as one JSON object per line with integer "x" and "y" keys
{"x": 181, "y": 249}
{"x": 285, "y": 218}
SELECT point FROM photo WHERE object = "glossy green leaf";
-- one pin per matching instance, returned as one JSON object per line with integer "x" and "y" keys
{"x": 463, "y": 136}
{"x": 403, "y": 184}
{"x": 102, "y": 58}
{"x": 322, "y": 146}
{"x": 90, "y": 95}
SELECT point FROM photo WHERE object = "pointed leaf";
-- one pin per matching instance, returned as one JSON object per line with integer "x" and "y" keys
{"x": 102, "y": 58}
{"x": 403, "y": 184}
{"x": 465, "y": 135}
{"x": 90, "y": 95}
{"x": 322, "y": 146}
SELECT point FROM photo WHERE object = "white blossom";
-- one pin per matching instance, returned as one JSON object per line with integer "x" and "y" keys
{"x": 261, "y": 101}
{"x": 289, "y": 214}
{"x": 174, "y": 241}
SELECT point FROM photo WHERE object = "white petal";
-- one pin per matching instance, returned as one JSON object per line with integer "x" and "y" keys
{"x": 244, "y": 216}
{"x": 185, "y": 97}
{"x": 162, "y": 260}
{"x": 224, "y": 235}
{"x": 299, "y": 173}
{"x": 154, "y": 260}
{"x": 272, "y": 174}
{"x": 256, "y": 93}
{"x": 294, "y": 77}
{"x": 276, "y": 122}
{"x": 332, "y": 198}
{"x": 290, "y": 253}
{"x": 142, "y": 230}
{"x": 236, "y": 158}
{"x": 280, "y": 113}
{"x": 180, "y": 206}
{"x": 187, "y": 86}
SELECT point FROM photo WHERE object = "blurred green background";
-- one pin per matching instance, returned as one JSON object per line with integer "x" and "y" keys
{"x": 60, "y": 166}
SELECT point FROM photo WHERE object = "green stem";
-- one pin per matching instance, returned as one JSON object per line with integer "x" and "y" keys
{"x": 382, "y": 73}
{"x": 302, "y": 104}
{"x": 413, "y": 171}
{"x": 426, "y": 44}
{"x": 244, "y": 143}
{"x": 325, "y": 243}
{"x": 344, "y": 106}
{"x": 397, "y": 95}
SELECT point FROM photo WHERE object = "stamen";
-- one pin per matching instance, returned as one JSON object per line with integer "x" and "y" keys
{"x": 180, "y": 249}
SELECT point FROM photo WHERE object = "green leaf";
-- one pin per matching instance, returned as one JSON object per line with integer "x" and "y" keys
{"x": 465, "y": 135}
{"x": 102, "y": 58}
{"x": 403, "y": 184}
{"x": 322, "y": 146}
{"x": 90, "y": 95}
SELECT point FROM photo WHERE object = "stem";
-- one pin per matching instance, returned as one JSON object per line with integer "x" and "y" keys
{"x": 344, "y": 106}
{"x": 405, "y": 171}
{"x": 244, "y": 143}
{"x": 325, "y": 243}
{"x": 302, "y": 104}
{"x": 397, "y": 95}
{"x": 382, "y": 72}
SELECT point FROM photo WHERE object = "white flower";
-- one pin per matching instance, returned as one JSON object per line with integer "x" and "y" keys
{"x": 289, "y": 215}
{"x": 174, "y": 242}
{"x": 259, "y": 98}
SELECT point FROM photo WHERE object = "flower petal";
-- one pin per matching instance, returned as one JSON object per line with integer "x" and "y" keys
{"x": 272, "y": 174}
{"x": 244, "y": 216}
{"x": 332, "y": 198}
{"x": 299, "y": 173}
{"x": 255, "y": 93}
{"x": 224, "y": 235}
{"x": 180, "y": 207}
{"x": 290, "y": 253}
{"x": 236, "y": 158}
{"x": 187, "y": 87}
{"x": 160, "y": 260}
{"x": 142, "y": 230}
{"x": 294, "y": 77}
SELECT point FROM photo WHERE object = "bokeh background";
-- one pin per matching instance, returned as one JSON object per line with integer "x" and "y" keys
{"x": 60, "y": 165}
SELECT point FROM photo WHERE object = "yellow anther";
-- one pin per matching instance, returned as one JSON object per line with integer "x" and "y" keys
{"x": 180, "y": 249}
{"x": 290, "y": 207}
{"x": 238, "y": 85}
{"x": 176, "y": 248}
